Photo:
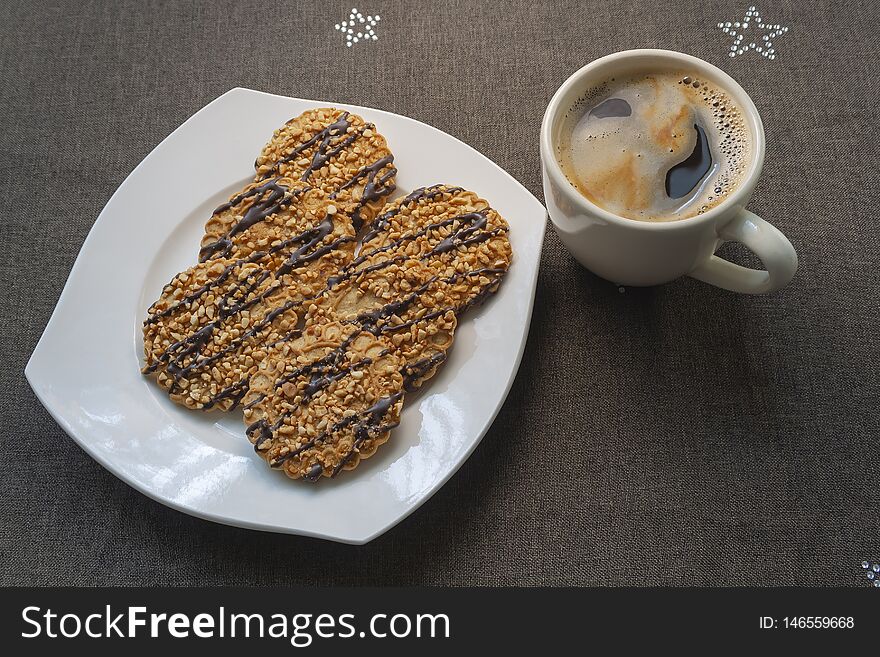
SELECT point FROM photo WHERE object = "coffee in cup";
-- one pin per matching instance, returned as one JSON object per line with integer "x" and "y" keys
{"x": 655, "y": 145}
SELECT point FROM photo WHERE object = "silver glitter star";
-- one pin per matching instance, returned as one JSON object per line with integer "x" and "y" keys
{"x": 752, "y": 21}
{"x": 872, "y": 570}
{"x": 358, "y": 27}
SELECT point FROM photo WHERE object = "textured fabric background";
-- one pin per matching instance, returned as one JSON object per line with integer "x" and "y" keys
{"x": 674, "y": 435}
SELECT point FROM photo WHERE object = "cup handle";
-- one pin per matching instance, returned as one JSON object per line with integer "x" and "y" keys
{"x": 766, "y": 242}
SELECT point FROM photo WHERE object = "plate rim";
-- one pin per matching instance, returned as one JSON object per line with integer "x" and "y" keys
{"x": 33, "y": 377}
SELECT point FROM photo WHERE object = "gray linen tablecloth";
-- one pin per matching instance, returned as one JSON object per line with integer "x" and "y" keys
{"x": 674, "y": 435}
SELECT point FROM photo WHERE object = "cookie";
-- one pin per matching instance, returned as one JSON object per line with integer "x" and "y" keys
{"x": 207, "y": 332}
{"x": 337, "y": 152}
{"x": 453, "y": 231}
{"x": 399, "y": 298}
{"x": 211, "y": 326}
{"x": 324, "y": 400}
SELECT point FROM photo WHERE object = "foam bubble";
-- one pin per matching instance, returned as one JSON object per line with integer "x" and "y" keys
{"x": 621, "y": 162}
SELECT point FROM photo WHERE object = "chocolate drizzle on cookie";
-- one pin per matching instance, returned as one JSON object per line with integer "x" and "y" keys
{"x": 417, "y": 371}
{"x": 187, "y": 357}
{"x": 299, "y": 388}
{"x": 322, "y": 138}
{"x": 332, "y": 142}
{"x": 368, "y": 426}
{"x": 330, "y": 365}
{"x": 268, "y": 198}
{"x": 310, "y": 251}
{"x": 364, "y": 425}
{"x": 374, "y": 190}
{"x": 324, "y": 153}
{"x": 380, "y": 223}
{"x": 321, "y": 147}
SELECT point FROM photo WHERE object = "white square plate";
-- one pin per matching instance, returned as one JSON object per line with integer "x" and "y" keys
{"x": 85, "y": 369}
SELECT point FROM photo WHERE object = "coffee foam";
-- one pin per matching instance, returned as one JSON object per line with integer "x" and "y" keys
{"x": 620, "y": 163}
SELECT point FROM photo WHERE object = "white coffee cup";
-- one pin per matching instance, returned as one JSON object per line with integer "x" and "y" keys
{"x": 631, "y": 252}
